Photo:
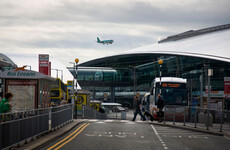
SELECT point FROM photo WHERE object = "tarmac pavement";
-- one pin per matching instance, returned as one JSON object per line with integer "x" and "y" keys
{"x": 126, "y": 135}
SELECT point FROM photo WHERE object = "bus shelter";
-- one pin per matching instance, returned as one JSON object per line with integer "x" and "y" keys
{"x": 82, "y": 98}
{"x": 31, "y": 89}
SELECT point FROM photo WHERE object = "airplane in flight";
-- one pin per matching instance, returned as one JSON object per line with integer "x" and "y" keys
{"x": 104, "y": 41}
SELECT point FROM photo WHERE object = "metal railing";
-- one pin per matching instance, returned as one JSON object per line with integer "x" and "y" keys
{"x": 210, "y": 119}
{"x": 60, "y": 115}
{"x": 91, "y": 113}
{"x": 21, "y": 126}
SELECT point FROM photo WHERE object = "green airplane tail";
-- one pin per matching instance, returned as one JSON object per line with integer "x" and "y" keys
{"x": 98, "y": 39}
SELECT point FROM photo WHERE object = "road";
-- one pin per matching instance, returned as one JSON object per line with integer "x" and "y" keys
{"x": 127, "y": 135}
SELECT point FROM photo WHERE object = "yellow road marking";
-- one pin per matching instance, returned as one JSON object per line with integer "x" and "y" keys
{"x": 66, "y": 137}
{"x": 71, "y": 138}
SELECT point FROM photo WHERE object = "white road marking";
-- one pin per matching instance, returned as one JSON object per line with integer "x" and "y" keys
{"x": 93, "y": 120}
{"x": 124, "y": 121}
{"x": 100, "y": 122}
{"x": 108, "y": 120}
{"x": 163, "y": 144}
{"x": 120, "y": 136}
{"x": 142, "y": 137}
{"x": 90, "y": 134}
{"x": 130, "y": 123}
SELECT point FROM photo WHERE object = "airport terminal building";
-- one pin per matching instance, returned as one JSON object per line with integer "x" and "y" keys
{"x": 188, "y": 55}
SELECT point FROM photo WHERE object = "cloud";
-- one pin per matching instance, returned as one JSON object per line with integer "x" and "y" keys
{"x": 68, "y": 28}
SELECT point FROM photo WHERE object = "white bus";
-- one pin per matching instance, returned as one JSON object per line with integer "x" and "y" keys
{"x": 173, "y": 92}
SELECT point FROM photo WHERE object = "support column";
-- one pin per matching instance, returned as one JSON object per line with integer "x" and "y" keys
{"x": 112, "y": 96}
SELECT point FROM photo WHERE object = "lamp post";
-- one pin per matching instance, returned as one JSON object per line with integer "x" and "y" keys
{"x": 210, "y": 73}
{"x": 56, "y": 71}
{"x": 73, "y": 82}
{"x": 76, "y": 66}
{"x": 160, "y": 63}
{"x": 61, "y": 74}
{"x": 134, "y": 84}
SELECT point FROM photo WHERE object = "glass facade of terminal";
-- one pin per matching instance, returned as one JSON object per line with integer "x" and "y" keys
{"x": 119, "y": 77}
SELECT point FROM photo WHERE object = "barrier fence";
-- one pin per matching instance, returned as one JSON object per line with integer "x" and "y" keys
{"x": 91, "y": 113}
{"x": 21, "y": 126}
{"x": 210, "y": 119}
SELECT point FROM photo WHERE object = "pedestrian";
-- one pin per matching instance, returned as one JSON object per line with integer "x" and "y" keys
{"x": 5, "y": 107}
{"x": 160, "y": 106}
{"x": 138, "y": 110}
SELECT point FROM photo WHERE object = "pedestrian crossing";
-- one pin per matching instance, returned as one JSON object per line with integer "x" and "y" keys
{"x": 114, "y": 121}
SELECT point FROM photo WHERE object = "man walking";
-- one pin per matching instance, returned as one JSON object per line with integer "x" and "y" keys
{"x": 138, "y": 110}
{"x": 160, "y": 106}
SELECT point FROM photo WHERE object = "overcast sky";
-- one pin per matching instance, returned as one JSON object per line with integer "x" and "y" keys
{"x": 67, "y": 29}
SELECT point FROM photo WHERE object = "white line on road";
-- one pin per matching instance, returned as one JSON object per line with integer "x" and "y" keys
{"x": 124, "y": 120}
{"x": 142, "y": 137}
{"x": 163, "y": 144}
{"x": 109, "y": 120}
{"x": 93, "y": 120}
{"x": 100, "y": 122}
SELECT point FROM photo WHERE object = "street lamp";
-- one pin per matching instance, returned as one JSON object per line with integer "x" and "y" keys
{"x": 73, "y": 82}
{"x": 210, "y": 73}
{"x": 57, "y": 73}
{"x": 160, "y": 62}
{"x": 76, "y": 66}
{"x": 134, "y": 83}
{"x": 61, "y": 74}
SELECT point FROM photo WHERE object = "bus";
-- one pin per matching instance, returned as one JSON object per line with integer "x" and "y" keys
{"x": 173, "y": 92}
{"x": 58, "y": 91}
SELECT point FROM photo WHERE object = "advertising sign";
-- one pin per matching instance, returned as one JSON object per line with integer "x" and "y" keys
{"x": 44, "y": 64}
{"x": 28, "y": 74}
{"x": 227, "y": 87}
{"x": 25, "y": 93}
{"x": 81, "y": 100}
{"x": 43, "y": 57}
{"x": 105, "y": 96}
{"x": 96, "y": 106}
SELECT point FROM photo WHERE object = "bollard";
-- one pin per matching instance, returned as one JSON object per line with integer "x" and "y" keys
{"x": 83, "y": 111}
{"x": 207, "y": 120}
{"x": 164, "y": 115}
{"x": 195, "y": 116}
{"x": 221, "y": 121}
{"x": 174, "y": 115}
{"x": 184, "y": 114}
{"x": 50, "y": 109}
{"x": 116, "y": 112}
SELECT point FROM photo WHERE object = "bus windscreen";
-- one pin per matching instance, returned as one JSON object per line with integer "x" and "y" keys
{"x": 173, "y": 93}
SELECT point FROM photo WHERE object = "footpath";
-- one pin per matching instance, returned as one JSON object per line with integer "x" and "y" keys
{"x": 37, "y": 142}
{"x": 214, "y": 129}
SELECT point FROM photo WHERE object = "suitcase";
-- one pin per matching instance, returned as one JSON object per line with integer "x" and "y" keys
{"x": 147, "y": 114}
